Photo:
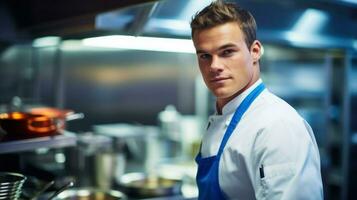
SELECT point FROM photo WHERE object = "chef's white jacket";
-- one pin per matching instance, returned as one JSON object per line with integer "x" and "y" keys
{"x": 270, "y": 134}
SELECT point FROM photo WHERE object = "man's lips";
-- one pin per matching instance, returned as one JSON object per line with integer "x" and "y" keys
{"x": 218, "y": 79}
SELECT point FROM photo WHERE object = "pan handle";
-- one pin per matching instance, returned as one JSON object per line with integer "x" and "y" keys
{"x": 37, "y": 194}
{"x": 63, "y": 188}
{"x": 74, "y": 116}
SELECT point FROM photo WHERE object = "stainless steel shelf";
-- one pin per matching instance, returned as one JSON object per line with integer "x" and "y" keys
{"x": 65, "y": 139}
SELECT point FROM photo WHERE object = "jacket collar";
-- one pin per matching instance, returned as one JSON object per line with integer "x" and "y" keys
{"x": 231, "y": 106}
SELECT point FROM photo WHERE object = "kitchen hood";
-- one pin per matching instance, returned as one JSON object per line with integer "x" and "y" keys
{"x": 302, "y": 23}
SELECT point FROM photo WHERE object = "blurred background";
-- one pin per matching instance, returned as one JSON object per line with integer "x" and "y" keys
{"x": 131, "y": 69}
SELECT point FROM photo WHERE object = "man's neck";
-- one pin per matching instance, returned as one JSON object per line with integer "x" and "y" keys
{"x": 221, "y": 102}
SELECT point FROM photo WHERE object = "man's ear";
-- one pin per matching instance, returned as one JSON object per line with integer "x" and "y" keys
{"x": 256, "y": 50}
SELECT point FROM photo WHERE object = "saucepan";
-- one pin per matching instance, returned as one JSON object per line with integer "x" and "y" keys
{"x": 60, "y": 116}
{"x": 36, "y": 122}
{"x": 26, "y": 125}
{"x": 142, "y": 185}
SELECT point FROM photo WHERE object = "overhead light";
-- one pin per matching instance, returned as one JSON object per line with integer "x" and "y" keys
{"x": 141, "y": 43}
{"x": 311, "y": 21}
{"x": 177, "y": 25}
{"x": 48, "y": 41}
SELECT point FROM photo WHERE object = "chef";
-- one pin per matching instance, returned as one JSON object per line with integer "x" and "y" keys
{"x": 256, "y": 145}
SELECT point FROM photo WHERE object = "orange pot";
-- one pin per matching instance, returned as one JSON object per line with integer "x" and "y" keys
{"x": 60, "y": 116}
{"x": 26, "y": 125}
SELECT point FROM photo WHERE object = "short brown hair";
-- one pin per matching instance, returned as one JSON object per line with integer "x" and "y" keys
{"x": 219, "y": 12}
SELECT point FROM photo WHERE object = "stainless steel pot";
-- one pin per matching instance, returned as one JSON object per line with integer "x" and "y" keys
{"x": 11, "y": 185}
{"x": 90, "y": 194}
{"x": 141, "y": 185}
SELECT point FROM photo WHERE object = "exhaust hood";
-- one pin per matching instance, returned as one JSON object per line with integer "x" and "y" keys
{"x": 302, "y": 23}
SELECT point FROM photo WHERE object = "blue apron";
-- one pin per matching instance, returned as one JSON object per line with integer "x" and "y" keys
{"x": 207, "y": 173}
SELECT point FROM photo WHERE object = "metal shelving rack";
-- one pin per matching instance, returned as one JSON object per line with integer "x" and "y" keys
{"x": 66, "y": 139}
{"x": 351, "y": 136}
{"x": 340, "y": 120}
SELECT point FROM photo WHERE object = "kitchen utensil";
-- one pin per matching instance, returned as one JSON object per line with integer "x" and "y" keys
{"x": 11, "y": 185}
{"x": 60, "y": 190}
{"x": 141, "y": 185}
{"x": 44, "y": 188}
{"x": 34, "y": 187}
{"x": 90, "y": 194}
{"x": 51, "y": 112}
{"x": 26, "y": 125}
{"x": 60, "y": 116}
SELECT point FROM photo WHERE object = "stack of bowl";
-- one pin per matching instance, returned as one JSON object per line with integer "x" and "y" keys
{"x": 11, "y": 185}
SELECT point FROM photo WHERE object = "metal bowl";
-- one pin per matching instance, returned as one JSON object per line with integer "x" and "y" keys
{"x": 11, "y": 185}
{"x": 90, "y": 194}
{"x": 8, "y": 178}
{"x": 141, "y": 185}
{"x": 10, "y": 197}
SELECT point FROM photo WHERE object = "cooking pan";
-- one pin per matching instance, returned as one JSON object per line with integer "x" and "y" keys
{"x": 26, "y": 125}
{"x": 142, "y": 185}
{"x": 35, "y": 122}
{"x": 60, "y": 116}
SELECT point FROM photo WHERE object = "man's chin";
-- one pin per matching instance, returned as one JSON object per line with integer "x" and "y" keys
{"x": 221, "y": 94}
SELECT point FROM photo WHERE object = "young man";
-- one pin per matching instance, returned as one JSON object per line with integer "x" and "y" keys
{"x": 256, "y": 146}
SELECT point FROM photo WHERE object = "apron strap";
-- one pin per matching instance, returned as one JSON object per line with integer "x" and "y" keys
{"x": 242, "y": 108}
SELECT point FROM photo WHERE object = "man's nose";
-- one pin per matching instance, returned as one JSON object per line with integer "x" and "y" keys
{"x": 216, "y": 64}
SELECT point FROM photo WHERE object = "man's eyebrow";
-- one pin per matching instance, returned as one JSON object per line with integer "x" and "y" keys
{"x": 229, "y": 45}
{"x": 200, "y": 51}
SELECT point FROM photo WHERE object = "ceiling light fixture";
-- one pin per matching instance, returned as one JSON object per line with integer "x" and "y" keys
{"x": 311, "y": 21}
{"x": 141, "y": 43}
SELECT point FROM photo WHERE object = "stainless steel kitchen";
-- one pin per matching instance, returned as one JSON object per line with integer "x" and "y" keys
{"x": 105, "y": 99}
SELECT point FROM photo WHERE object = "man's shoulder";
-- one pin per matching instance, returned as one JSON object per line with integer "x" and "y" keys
{"x": 270, "y": 107}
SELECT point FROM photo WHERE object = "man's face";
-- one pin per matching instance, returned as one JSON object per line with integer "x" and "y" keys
{"x": 225, "y": 61}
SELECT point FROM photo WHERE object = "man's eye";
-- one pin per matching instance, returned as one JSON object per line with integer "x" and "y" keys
{"x": 204, "y": 56}
{"x": 227, "y": 52}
